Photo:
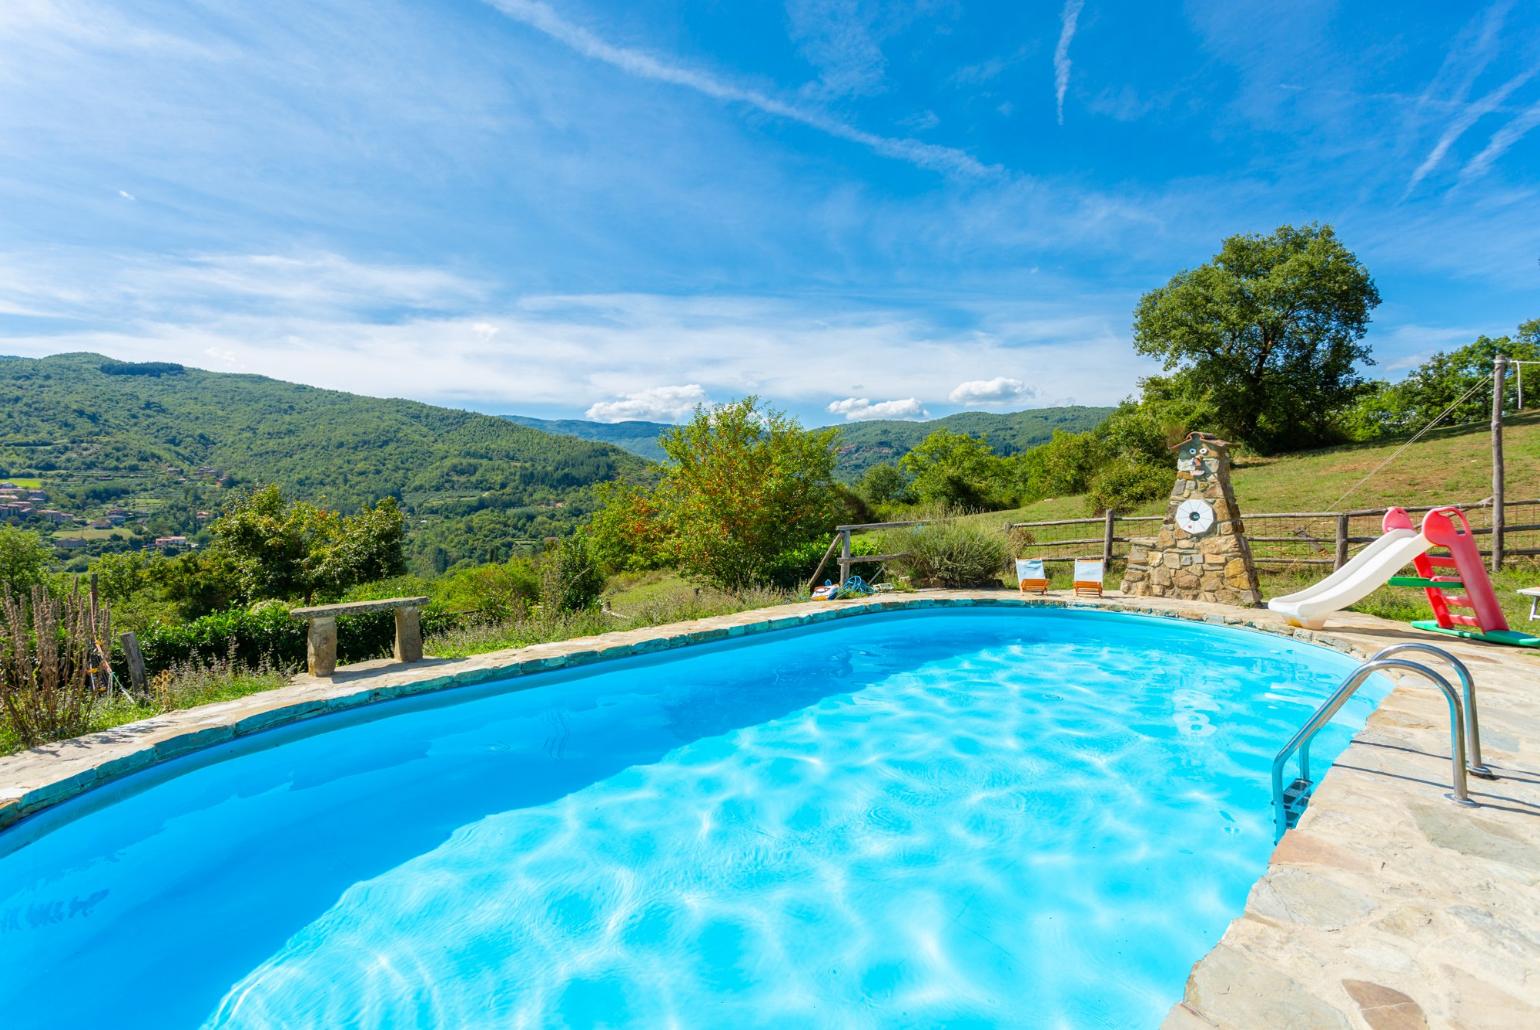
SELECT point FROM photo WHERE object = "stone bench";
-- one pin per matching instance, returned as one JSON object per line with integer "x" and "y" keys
{"x": 321, "y": 640}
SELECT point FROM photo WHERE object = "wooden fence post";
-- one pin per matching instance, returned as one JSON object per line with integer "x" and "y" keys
{"x": 1342, "y": 540}
{"x": 1499, "y": 373}
{"x": 1107, "y": 539}
{"x": 135, "y": 659}
{"x": 844, "y": 556}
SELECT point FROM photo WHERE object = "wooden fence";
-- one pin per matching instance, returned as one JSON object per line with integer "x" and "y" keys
{"x": 1288, "y": 538}
{"x": 1281, "y": 539}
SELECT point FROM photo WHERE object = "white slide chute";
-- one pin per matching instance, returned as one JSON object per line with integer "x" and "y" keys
{"x": 1370, "y": 569}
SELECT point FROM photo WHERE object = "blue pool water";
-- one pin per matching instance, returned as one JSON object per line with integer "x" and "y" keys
{"x": 1011, "y": 817}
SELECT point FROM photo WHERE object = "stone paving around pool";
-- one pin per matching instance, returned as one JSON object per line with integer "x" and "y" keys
{"x": 1387, "y": 907}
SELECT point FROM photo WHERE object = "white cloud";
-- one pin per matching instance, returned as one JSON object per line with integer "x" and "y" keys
{"x": 1068, "y": 17}
{"x": 999, "y": 390}
{"x": 658, "y": 404}
{"x": 430, "y": 334}
{"x": 859, "y": 409}
{"x": 642, "y": 64}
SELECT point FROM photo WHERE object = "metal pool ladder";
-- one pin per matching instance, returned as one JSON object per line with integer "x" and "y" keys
{"x": 1464, "y": 730}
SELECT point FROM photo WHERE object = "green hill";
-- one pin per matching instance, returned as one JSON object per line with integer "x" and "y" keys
{"x": 168, "y": 441}
{"x": 640, "y": 438}
{"x": 861, "y": 444}
{"x": 864, "y": 444}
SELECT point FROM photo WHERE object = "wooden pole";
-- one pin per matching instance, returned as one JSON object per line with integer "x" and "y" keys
{"x": 135, "y": 658}
{"x": 833, "y": 546}
{"x": 844, "y": 556}
{"x": 1499, "y": 373}
{"x": 1342, "y": 541}
{"x": 1107, "y": 539}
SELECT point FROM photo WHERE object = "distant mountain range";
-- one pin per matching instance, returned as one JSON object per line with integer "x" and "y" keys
{"x": 168, "y": 441}
{"x": 862, "y": 444}
{"x": 169, "y": 444}
{"x": 640, "y": 438}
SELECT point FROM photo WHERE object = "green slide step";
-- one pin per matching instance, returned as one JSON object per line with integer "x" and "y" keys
{"x": 1418, "y": 581}
{"x": 1510, "y": 637}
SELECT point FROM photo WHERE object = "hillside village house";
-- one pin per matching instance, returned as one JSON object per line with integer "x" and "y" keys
{"x": 170, "y": 544}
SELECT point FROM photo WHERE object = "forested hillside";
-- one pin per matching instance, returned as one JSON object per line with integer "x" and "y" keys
{"x": 861, "y": 444}
{"x": 166, "y": 440}
{"x": 864, "y": 444}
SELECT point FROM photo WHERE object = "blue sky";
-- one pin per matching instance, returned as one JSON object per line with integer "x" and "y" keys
{"x": 850, "y": 208}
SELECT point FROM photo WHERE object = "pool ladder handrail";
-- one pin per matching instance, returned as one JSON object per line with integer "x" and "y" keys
{"x": 1474, "y": 765}
{"x": 1381, "y": 662}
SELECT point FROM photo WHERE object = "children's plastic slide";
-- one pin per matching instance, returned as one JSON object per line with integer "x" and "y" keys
{"x": 1455, "y": 581}
{"x": 1369, "y": 570}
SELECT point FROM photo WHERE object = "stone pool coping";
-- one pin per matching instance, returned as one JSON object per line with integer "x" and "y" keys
{"x": 1388, "y": 906}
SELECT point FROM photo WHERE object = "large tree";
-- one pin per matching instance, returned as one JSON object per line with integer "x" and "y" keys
{"x": 958, "y": 471}
{"x": 741, "y": 485}
{"x": 1270, "y": 332}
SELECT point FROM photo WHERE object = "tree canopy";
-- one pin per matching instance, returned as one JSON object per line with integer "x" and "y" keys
{"x": 957, "y": 471}
{"x": 742, "y": 484}
{"x": 25, "y": 558}
{"x": 1269, "y": 332}
{"x": 1449, "y": 382}
{"x": 286, "y": 549}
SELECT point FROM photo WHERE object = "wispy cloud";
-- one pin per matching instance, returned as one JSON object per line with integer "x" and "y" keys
{"x": 644, "y": 65}
{"x": 1501, "y": 140}
{"x": 1068, "y": 18}
{"x": 838, "y": 38}
{"x": 860, "y": 409}
{"x": 659, "y": 404}
{"x": 1471, "y": 114}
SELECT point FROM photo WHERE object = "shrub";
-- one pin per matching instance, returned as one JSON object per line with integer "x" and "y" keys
{"x": 1127, "y": 482}
{"x": 950, "y": 553}
{"x": 487, "y": 593}
{"x": 570, "y": 578}
{"x": 267, "y": 633}
{"x": 47, "y": 661}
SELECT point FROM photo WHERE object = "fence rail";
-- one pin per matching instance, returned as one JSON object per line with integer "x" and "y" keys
{"x": 1278, "y": 538}
{"x": 1287, "y": 538}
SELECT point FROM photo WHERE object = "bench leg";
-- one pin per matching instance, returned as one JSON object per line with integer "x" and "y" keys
{"x": 408, "y": 635}
{"x": 321, "y": 646}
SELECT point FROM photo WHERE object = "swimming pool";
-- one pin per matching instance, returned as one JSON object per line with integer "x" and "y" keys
{"x": 1026, "y": 817}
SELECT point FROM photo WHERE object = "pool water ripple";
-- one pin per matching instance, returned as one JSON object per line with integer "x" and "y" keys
{"x": 995, "y": 819}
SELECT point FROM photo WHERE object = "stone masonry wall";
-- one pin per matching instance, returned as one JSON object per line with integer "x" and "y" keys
{"x": 1214, "y": 565}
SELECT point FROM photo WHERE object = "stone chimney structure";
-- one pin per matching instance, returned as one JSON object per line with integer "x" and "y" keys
{"x": 1201, "y": 552}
